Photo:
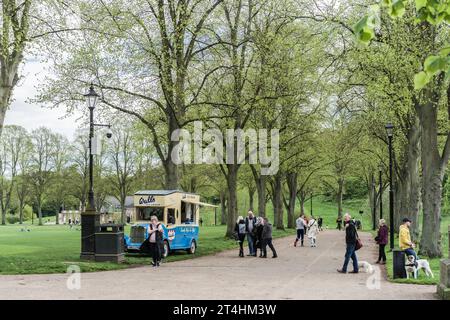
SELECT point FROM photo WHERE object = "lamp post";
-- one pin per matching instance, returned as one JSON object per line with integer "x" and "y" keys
{"x": 390, "y": 133}
{"x": 380, "y": 178}
{"x": 374, "y": 217}
{"x": 91, "y": 98}
{"x": 311, "y": 204}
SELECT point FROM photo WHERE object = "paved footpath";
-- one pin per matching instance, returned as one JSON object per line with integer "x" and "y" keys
{"x": 298, "y": 273}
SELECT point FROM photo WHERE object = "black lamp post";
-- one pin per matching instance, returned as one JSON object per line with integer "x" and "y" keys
{"x": 374, "y": 217}
{"x": 311, "y": 204}
{"x": 390, "y": 133}
{"x": 91, "y": 98}
{"x": 380, "y": 172}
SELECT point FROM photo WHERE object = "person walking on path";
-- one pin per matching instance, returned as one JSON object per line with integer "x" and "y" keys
{"x": 313, "y": 230}
{"x": 404, "y": 239}
{"x": 320, "y": 223}
{"x": 240, "y": 234}
{"x": 250, "y": 228}
{"x": 300, "y": 225}
{"x": 351, "y": 237}
{"x": 155, "y": 232}
{"x": 267, "y": 239}
{"x": 382, "y": 241}
{"x": 258, "y": 235}
{"x": 339, "y": 223}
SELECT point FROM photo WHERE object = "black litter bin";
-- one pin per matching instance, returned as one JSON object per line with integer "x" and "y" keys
{"x": 109, "y": 239}
{"x": 398, "y": 259}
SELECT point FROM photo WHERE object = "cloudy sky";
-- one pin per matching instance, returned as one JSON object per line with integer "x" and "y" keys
{"x": 32, "y": 116}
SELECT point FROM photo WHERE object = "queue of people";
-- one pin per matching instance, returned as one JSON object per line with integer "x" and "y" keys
{"x": 258, "y": 231}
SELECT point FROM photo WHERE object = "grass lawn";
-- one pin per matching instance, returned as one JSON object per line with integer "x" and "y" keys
{"x": 434, "y": 263}
{"x": 51, "y": 248}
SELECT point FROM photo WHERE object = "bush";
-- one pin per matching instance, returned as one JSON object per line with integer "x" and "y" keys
{"x": 12, "y": 219}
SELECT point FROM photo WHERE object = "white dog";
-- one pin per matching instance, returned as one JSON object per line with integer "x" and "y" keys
{"x": 365, "y": 266}
{"x": 411, "y": 268}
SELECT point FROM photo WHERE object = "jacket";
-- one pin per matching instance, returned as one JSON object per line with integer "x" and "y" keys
{"x": 383, "y": 235}
{"x": 247, "y": 221}
{"x": 404, "y": 238}
{"x": 267, "y": 231}
{"x": 350, "y": 233}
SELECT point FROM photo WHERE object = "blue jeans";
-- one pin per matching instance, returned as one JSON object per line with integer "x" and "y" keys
{"x": 411, "y": 252}
{"x": 251, "y": 243}
{"x": 350, "y": 253}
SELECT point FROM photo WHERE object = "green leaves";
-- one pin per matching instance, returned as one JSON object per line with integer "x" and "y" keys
{"x": 397, "y": 8}
{"x": 432, "y": 66}
{"x": 364, "y": 31}
{"x": 420, "y": 4}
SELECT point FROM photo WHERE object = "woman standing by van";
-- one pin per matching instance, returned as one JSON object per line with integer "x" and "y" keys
{"x": 155, "y": 234}
{"x": 239, "y": 229}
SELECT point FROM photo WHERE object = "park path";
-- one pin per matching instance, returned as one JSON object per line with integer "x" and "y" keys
{"x": 298, "y": 273}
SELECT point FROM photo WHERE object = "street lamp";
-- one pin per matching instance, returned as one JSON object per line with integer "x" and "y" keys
{"x": 374, "y": 217}
{"x": 390, "y": 133}
{"x": 380, "y": 178}
{"x": 91, "y": 98}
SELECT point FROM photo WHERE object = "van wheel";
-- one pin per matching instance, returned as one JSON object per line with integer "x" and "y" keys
{"x": 193, "y": 247}
{"x": 166, "y": 249}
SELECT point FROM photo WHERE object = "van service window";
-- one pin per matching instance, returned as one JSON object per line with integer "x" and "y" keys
{"x": 146, "y": 213}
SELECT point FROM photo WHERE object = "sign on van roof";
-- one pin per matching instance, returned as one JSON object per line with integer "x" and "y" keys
{"x": 157, "y": 192}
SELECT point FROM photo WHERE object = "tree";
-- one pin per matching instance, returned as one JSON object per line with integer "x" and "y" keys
{"x": 42, "y": 164}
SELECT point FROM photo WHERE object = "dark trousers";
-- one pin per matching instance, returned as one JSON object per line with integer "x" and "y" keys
{"x": 382, "y": 253}
{"x": 155, "y": 252}
{"x": 241, "y": 245}
{"x": 350, "y": 253}
{"x": 411, "y": 252}
{"x": 300, "y": 235}
{"x": 265, "y": 243}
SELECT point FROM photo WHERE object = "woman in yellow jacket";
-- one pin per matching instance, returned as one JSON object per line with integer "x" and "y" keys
{"x": 406, "y": 245}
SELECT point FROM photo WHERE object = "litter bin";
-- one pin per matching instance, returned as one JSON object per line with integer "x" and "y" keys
{"x": 398, "y": 259}
{"x": 109, "y": 239}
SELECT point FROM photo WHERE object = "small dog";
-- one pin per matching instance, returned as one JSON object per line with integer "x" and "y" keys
{"x": 413, "y": 267}
{"x": 365, "y": 266}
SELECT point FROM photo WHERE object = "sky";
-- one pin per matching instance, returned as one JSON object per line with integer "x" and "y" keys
{"x": 32, "y": 116}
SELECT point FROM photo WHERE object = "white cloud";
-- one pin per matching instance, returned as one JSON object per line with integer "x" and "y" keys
{"x": 32, "y": 116}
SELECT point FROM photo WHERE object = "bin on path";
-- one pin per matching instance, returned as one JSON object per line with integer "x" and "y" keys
{"x": 398, "y": 259}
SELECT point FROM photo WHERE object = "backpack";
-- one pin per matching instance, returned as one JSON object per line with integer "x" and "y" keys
{"x": 242, "y": 228}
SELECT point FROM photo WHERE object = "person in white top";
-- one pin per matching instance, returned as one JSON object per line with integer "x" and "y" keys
{"x": 300, "y": 224}
{"x": 155, "y": 234}
{"x": 313, "y": 230}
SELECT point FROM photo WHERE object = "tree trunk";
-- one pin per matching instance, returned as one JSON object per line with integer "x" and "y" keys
{"x": 408, "y": 183}
{"x": 292, "y": 186}
{"x": 232, "y": 198}
{"x": 5, "y": 93}
{"x": 40, "y": 214}
{"x": 260, "y": 181}
{"x": 171, "y": 177}
{"x": 278, "y": 202}
{"x": 223, "y": 208}
{"x": 251, "y": 196}
{"x": 372, "y": 197}
{"x": 302, "y": 199}
{"x": 339, "y": 195}
{"x": 432, "y": 176}
{"x": 3, "y": 217}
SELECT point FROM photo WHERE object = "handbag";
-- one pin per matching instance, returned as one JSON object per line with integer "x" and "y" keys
{"x": 359, "y": 244}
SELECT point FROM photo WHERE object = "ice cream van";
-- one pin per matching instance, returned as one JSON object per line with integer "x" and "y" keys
{"x": 178, "y": 212}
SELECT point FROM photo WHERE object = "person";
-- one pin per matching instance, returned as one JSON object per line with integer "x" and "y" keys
{"x": 267, "y": 239}
{"x": 351, "y": 237}
{"x": 313, "y": 230}
{"x": 250, "y": 222}
{"x": 404, "y": 239}
{"x": 339, "y": 223}
{"x": 201, "y": 222}
{"x": 382, "y": 240}
{"x": 300, "y": 225}
{"x": 240, "y": 234}
{"x": 258, "y": 235}
{"x": 155, "y": 232}
{"x": 319, "y": 223}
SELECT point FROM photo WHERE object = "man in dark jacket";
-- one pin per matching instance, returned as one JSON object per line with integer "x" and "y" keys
{"x": 250, "y": 228}
{"x": 351, "y": 237}
{"x": 267, "y": 239}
